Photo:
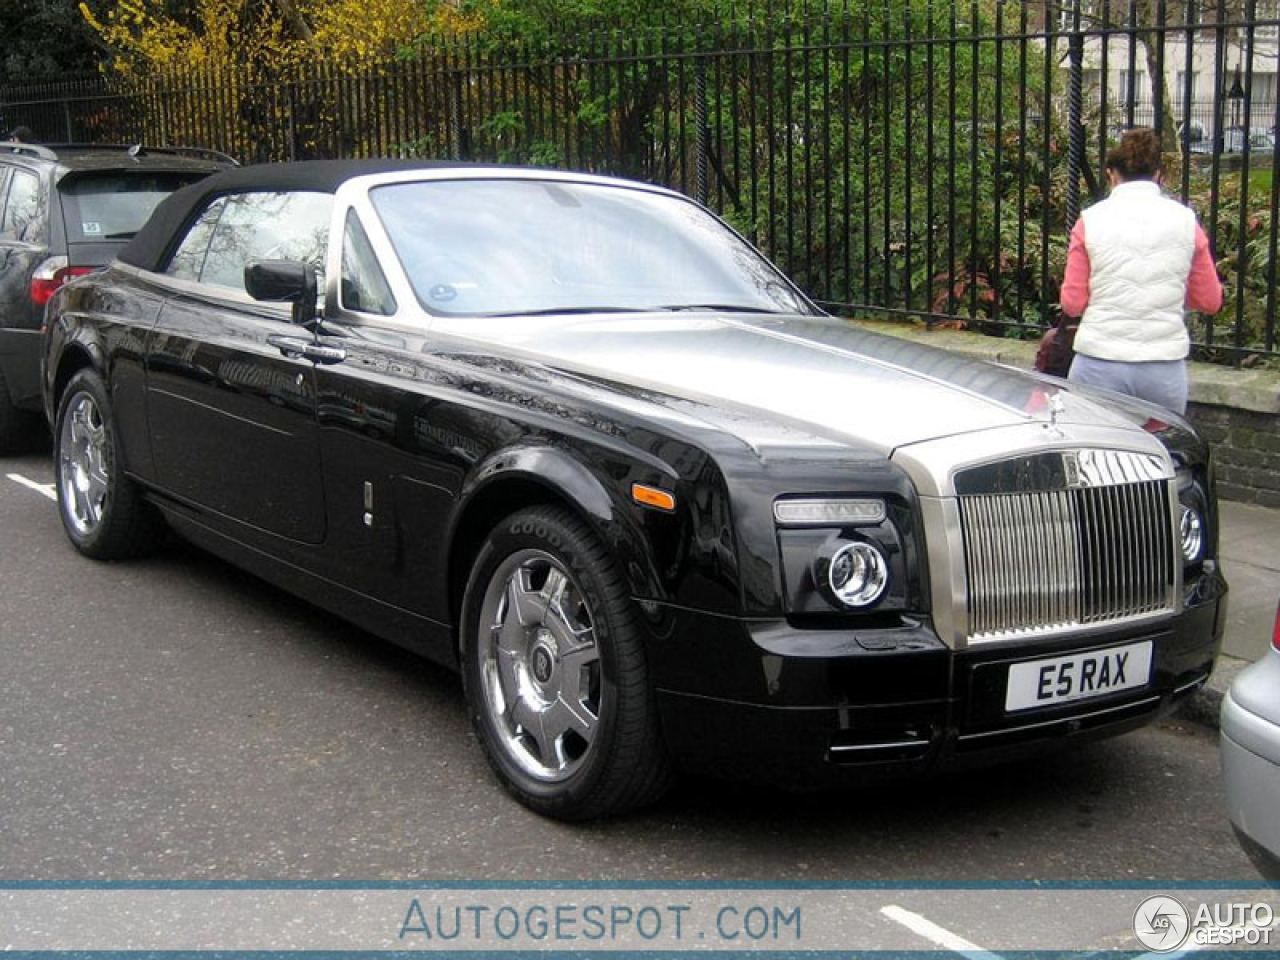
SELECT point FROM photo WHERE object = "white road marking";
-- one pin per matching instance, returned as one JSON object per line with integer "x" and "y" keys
{"x": 935, "y": 934}
{"x": 42, "y": 488}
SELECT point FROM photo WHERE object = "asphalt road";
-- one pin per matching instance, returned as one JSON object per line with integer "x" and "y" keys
{"x": 176, "y": 719}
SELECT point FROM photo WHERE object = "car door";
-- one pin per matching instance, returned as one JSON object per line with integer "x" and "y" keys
{"x": 231, "y": 410}
{"x": 24, "y": 244}
{"x": 386, "y": 501}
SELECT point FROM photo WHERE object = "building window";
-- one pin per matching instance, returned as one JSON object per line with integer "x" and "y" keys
{"x": 1131, "y": 86}
{"x": 1268, "y": 10}
{"x": 1065, "y": 17}
{"x": 1264, "y": 91}
{"x": 1181, "y": 96}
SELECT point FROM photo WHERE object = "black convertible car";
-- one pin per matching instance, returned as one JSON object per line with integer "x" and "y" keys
{"x": 576, "y": 437}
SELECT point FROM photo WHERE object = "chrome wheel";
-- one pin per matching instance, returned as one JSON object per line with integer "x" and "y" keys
{"x": 84, "y": 464}
{"x": 553, "y": 664}
{"x": 539, "y": 666}
{"x": 102, "y": 509}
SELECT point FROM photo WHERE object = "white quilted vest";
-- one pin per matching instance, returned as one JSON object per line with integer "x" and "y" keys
{"x": 1140, "y": 245}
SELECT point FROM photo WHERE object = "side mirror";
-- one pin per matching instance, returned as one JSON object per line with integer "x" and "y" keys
{"x": 284, "y": 281}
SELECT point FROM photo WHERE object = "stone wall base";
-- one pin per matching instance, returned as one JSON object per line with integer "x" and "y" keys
{"x": 1246, "y": 450}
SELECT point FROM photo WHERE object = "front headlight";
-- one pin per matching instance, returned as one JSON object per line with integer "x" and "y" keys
{"x": 850, "y": 573}
{"x": 848, "y": 556}
{"x": 1191, "y": 535}
{"x": 1193, "y": 518}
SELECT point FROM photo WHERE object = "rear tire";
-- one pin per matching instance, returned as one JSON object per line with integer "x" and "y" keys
{"x": 554, "y": 671}
{"x": 18, "y": 428}
{"x": 102, "y": 510}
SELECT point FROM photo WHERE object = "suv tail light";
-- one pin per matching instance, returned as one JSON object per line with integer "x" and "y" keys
{"x": 1275, "y": 631}
{"x": 50, "y": 275}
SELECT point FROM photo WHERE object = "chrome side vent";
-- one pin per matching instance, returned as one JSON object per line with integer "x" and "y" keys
{"x": 1092, "y": 551}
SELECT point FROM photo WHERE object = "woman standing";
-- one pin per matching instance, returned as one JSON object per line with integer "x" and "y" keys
{"x": 1135, "y": 261}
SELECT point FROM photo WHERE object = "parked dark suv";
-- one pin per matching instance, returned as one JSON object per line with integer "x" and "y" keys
{"x": 65, "y": 210}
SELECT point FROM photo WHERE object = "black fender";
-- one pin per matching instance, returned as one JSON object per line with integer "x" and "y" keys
{"x": 516, "y": 477}
{"x": 80, "y": 332}
{"x": 69, "y": 347}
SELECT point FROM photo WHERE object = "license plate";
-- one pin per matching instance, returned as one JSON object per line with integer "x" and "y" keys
{"x": 1078, "y": 676}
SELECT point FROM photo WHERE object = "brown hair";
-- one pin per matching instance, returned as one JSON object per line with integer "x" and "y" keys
{"x": 1137, "y": 155}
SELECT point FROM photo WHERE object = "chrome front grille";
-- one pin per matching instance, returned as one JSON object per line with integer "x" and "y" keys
{"x": 1043, "y": 559}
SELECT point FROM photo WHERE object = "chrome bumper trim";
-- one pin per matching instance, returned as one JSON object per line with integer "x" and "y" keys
{"x": 1135, "y": 706}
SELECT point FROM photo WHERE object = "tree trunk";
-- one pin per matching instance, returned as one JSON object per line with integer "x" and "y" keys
{"x": 1168, "y": 124}
{"x": 294, "y": 20}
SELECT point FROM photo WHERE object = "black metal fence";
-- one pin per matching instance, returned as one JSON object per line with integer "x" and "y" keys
{"x": 921, "y": 158}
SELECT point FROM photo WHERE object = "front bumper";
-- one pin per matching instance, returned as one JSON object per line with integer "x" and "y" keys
{"x": 810, "y": 708}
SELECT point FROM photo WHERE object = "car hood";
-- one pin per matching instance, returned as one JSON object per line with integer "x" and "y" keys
{"x": 794, "y": 380}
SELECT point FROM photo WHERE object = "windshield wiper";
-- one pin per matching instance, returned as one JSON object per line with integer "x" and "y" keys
{"x": 552, "y": 311}
{"x": 726, "y": 307}
{"x": 665, "y": 308}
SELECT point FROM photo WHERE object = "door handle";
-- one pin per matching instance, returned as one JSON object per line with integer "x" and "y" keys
{"x": 300, "y": 347}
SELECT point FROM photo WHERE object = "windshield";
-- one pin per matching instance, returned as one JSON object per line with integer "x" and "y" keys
{"x": 511, "y": 247}
{"x": 114, "y": 205}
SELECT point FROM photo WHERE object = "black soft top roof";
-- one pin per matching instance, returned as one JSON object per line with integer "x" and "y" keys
{"x": 152, "y": 244}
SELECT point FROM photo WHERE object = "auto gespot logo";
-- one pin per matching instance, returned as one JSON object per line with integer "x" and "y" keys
{"x": 1162, "y": 924}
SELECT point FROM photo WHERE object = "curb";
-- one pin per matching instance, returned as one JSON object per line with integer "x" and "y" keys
{"x": 1203, "y": 706}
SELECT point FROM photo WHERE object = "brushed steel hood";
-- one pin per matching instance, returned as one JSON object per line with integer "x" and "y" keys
{"x": 779, "y": 379}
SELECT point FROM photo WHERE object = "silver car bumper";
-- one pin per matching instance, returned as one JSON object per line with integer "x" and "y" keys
{"x": 1250, "y": 732}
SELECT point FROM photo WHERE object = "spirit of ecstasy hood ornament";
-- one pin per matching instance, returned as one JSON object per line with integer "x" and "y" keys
{"x": 1056, "y": 407}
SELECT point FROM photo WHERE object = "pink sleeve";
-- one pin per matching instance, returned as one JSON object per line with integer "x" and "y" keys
{"x": 1075, "y": 281}
{"x": 1204, "y": 289}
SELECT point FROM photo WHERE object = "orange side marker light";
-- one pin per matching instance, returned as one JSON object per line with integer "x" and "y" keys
{"x": 652, "y": 497}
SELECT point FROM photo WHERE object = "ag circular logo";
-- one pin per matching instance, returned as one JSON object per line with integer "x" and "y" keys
{"x": 1161, "y": 923}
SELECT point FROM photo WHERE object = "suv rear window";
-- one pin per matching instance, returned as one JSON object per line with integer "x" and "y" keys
{"x": 114, "y": 205}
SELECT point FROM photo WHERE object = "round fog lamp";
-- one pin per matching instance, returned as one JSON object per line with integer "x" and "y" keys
{"x": 857, "y": 574}
{"x": 1191, "y": 533}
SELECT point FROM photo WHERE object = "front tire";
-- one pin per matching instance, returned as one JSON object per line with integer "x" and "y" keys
{"x": 102, "y": 510}
{"x": 554, "y": 671}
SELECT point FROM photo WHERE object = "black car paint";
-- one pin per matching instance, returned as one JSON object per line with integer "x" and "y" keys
{"x": 451, "y": 438}
{"x": 217, "y": 393}
{"x": 450, "y": 446}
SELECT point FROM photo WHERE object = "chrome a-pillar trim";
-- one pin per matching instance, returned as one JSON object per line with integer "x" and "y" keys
{"x": 933, "y": 466}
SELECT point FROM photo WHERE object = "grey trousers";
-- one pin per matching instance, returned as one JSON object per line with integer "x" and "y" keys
{"x": 1159, "y": 381}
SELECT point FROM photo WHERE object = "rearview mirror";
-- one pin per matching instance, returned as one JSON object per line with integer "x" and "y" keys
{"x": 284, "y": 281}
